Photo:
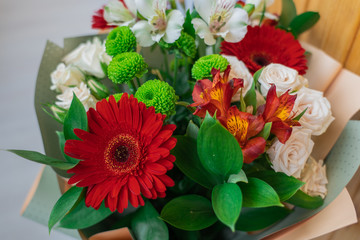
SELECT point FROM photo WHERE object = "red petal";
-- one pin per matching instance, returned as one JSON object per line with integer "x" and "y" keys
{"x": 167, "y": 180}
{"x": 253, "y": 149}
{"x": 133, "y": 200}
{"x": 134, "y": 186}
{"x": 281, "y": 130}
{"x": 159, "y": 185}
{"x": 155, "y": 168}
{"x": 123, "y": 198}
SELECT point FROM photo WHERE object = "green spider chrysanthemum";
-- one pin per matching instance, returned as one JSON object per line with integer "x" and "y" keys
{"x": 120, "y": 40}
{"x": 158, "y": 94}
{"x": 117, "y": 96}
{"x": 125, "y": 66}
{"x": 202, "y": 67}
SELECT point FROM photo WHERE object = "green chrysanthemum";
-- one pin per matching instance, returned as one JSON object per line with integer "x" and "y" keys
{"x": 120, "y": 40}
{"x": 125, "y": 66}
{"x": 186, "y": 43}
{"x": 117, "y": 96}
{"x": 202, "y": 67}
{"x": 158, "y": 94}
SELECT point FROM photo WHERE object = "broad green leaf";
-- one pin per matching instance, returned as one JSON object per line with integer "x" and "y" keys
{"x": 188, "y": 26}
{"x": 192, "y": 130}
{"x": 75, "y": 118}
{"x": 188, "y": 162}
{"x": 240, "y": 177}
{"x": 83, "y": 217}
{"x": 257, "y": 194}
{"x": 265, "y": 133}
{"x": 64, "y": 205}
{"x": 61, "y": 138}
{"x": 288, "y": 12}
{"x": 303, "y": 22}
{"x": 226, "y": 201}
{"x": 284, "y": 185}
{"x": 189, "y": 212}
{"x": 301, "y": 199}
{"x": 146, "y": 224}
{"x": 253, "y": 219}
{"x": 218, "y": 150}
{"x": 41, "y": 158}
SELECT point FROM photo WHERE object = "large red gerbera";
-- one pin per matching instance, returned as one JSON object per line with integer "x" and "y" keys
{"x": 125, "y": 153}
{"x": 267, "y": 44}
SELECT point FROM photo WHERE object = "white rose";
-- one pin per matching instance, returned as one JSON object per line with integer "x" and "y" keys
{"x": 87, "y": 56}
{"x": 290, "y": 158}
{"x": 314, "y": 176}
{"x": 283, "y": 77}
{"x": 65, "y": 76}
{"x": 239, "y": 70}
{"x": 318, "y": 115}
{"x": 82, "y": 93}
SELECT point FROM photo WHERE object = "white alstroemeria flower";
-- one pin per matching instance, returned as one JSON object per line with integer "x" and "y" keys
{"x": 121, "y": 13}
{"x": 159, "y": 25}
{"x": 220, "y": 18}
{"x": 82, "y": 92}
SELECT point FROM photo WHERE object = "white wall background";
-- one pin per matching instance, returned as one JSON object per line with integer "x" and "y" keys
{"x": 24, "y": 28}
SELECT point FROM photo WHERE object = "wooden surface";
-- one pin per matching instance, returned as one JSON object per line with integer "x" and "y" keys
{"x": 338, "y": 30}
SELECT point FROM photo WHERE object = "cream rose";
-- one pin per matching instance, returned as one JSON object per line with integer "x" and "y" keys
{"x": 314, "y": 176}
{"x": 65, "y": 76}
{"x": 239, "y": 70}
{"x": 283, "y": 77}
{"x": 318, "y": 115}
{"x": 290, "y": 158}
{"x": 82, "y": 93}
{"x": 88, "y": 57}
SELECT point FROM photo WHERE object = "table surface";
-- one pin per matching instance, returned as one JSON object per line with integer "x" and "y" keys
{"x": 24, "y": 28}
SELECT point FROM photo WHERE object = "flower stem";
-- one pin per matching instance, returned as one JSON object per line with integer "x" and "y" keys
{"x": 173, "y": 4}
{"x": 176, "y": 63}
{"x": 132, "y": 87}
{"x": 138, "y": 82}
{"x": 166, "y": 62}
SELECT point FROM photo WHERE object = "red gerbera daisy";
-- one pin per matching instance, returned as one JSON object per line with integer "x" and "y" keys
{"x": 125, "y": 153}
{"x": 267, "y": 44}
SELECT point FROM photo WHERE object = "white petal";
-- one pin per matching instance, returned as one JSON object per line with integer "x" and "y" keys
{"x": 130, "y": 4}
{"x": 205, "y": 8}
{"x": 237, "y": 26}
{"x": 115, "y": 11}
{"x": 174, "y": 26}
{"x": 142, "y": 31}
{"x": 202, "y": 29}
{"x": 145, "y": 7}
{"x": 157, "y": 37}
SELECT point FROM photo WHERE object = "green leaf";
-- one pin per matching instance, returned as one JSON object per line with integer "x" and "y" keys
{"x": 104, "y": 67}
{"x": 298, "y": 117}
{"x": 41, "y": 158}
{"x": 303, "y": 22}
{"x": 284, "y": 185}
{"x": 253, "y": 219}
{"x": 188, "y": 162}
{"x": 301, "y": 199}
{"x": 75, "y": 118}
{"x": 218, "y": 150}
{"x": 64, "y": 205}
{"x": 257, "y": 193}
{"x": 240, "y": 177}
{"x": 288, "y": 12}
{"x": 61, "y": 138}
{"x": 192, "y": 130}
{"x": 188, "y": 26}
{"x": 265, "y": 133}
{"x": 82, "y": 217}
{"x": 226, "y": 201}
{"x": 250, "y": 97}
{"x": 189, "y": 212}
{"x": 146, "y": 224}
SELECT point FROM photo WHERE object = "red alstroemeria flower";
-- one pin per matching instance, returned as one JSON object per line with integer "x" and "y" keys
{"x": 245, "y": 126}
{"x": 125, "y": 155}
{"x": 278, "y": 110}
{"x": 216, "y": 95}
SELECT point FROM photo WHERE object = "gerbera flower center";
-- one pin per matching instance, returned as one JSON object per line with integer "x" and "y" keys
{"x": 122, "y": 154}
{"x": 261, "y": 59}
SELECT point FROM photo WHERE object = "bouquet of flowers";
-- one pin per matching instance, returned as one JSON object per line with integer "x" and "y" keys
{"x": 187, "y": 120}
